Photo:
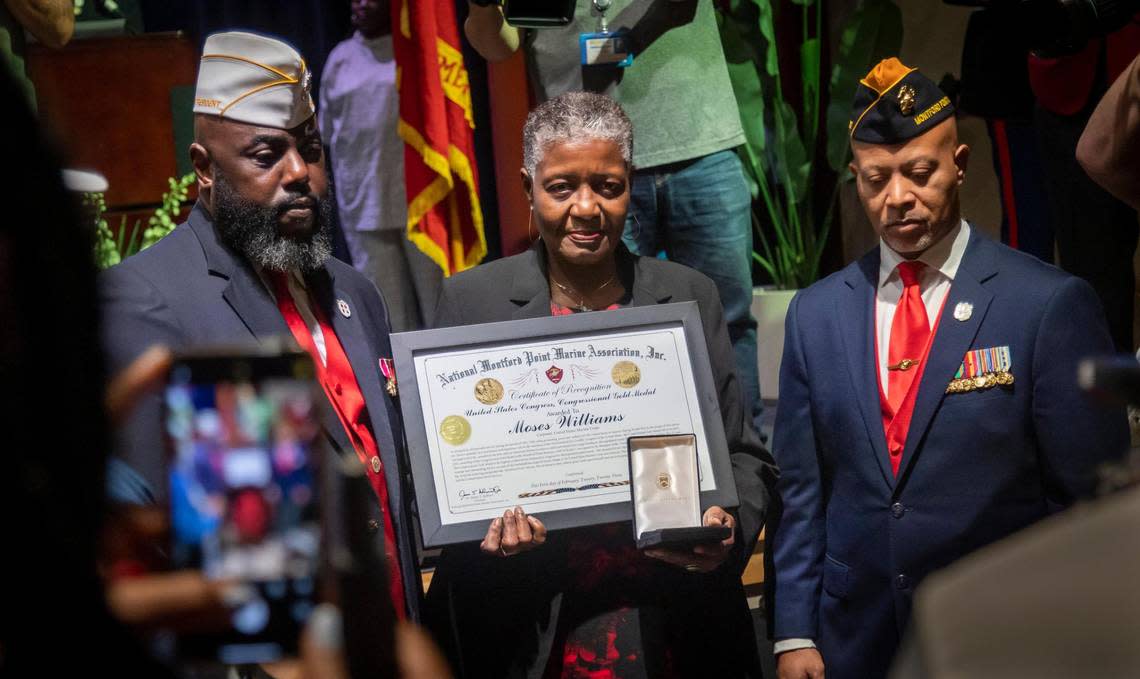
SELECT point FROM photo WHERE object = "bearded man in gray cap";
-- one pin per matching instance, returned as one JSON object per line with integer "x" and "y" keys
{"x": 252, "y": 263}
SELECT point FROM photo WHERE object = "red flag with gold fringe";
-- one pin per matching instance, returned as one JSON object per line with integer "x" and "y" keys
{"x": 445, "y": 219}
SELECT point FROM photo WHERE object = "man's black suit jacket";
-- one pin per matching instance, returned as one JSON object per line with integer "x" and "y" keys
{"x": 190, "y": 290}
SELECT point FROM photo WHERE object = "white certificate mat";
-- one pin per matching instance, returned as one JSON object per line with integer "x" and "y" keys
{"x": 545, "y": 424}
{"x": 537, "y": 412}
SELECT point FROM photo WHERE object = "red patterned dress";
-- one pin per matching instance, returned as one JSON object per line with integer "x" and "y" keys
{"x": 602, "y": 634}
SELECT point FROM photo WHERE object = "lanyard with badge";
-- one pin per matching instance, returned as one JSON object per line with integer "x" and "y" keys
{"x": 605, "y": 47}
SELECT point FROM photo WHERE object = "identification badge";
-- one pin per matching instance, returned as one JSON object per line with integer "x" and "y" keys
{"x": 606, "y": 48}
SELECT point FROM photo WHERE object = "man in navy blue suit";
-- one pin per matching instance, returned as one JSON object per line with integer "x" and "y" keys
{"x": 252, "y": 264}
{"x": 928, "y": 396}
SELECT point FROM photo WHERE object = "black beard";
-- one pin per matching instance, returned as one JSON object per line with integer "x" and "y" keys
{"x": 252, "y": 231}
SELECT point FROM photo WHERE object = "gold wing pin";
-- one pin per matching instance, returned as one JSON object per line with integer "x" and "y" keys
{"x": 904, "y": 365}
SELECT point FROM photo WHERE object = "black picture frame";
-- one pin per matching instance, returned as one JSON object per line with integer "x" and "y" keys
{"x": 407, "y": 346}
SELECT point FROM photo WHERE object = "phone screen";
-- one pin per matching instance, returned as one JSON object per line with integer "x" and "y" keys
{"x": 243, "y": 495}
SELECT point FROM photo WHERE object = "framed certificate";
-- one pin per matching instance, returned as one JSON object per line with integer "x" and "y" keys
{"x": 538, "y": 412}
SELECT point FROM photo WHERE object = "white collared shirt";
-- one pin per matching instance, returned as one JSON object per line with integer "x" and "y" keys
{"x": 941, "y": 260}
{"x": 300, "y": 293}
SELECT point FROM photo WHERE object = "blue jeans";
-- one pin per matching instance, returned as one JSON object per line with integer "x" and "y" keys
{"x": 698, "y": 212}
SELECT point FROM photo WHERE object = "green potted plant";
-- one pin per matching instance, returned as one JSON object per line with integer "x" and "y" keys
{"x": 109, "y": 249}
{"x": 782, "y": 155}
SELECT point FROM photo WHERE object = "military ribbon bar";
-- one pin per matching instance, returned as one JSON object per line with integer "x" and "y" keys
{"x": 981, "y": 369}
{"x": 983, "y": 361}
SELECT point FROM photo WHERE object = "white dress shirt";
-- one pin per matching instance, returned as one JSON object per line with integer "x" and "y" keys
{"x": 934, "y": 281}
{"x": 300, "y": 294}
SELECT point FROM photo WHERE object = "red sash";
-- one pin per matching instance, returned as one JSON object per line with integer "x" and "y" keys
{"x": 343, "y": 391}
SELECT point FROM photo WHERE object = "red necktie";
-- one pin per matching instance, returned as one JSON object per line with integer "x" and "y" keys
{"x": 343, "y": 391}
{"x": 910, "y": 329}
{"x": 910, "y": 334}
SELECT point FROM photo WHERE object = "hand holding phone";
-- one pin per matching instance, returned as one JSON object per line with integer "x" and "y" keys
{"x": 244, "y": 509}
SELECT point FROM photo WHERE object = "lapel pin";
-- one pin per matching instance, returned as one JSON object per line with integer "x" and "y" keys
{"x": 963, "y": 311}
{"x": 342, "y": 306}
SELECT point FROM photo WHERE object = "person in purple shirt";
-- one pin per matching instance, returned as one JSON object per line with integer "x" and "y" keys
{"x": 359, "y": 114}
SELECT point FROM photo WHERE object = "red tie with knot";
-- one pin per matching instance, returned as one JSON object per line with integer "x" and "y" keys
{"x": 910, "y": 330}
{"x": 910, "y": 334}
{"x": 343, "y": 391}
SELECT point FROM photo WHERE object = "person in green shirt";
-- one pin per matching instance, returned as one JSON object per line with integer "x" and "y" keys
{"x": 689, "y": 197}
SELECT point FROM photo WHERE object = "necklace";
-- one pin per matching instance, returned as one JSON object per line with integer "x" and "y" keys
{"x": 570, "y": 292}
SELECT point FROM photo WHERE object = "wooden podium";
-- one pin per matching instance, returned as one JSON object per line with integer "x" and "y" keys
{"x": 122, "y": 106}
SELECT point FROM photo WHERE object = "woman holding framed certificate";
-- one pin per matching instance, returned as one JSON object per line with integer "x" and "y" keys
{"x": 586, "y": 601}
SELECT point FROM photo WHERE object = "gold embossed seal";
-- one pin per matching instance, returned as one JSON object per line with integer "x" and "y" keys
{"x": 626, "y": 374}
{"x": 455, "y": 430}
{"x": 663, "y": 480}
{"x": 488, "y": 391}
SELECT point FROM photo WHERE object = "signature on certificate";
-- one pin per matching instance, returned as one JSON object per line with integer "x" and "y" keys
{"x": 481, "y": 492}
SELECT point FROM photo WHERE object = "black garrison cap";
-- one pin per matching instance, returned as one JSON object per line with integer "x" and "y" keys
{"x": 894, "y": 103}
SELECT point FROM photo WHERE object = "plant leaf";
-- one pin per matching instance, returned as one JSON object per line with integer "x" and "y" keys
{"x": 136, "y": 235}
{"x": 809, "y": 79}
{"x": 795, "y": 166}
{"x": 768, "y": 34}
{"x": 742, "y": 59}
{"x": 872, "y": 33}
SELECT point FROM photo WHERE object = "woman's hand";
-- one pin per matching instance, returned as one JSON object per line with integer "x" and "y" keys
{"x": 513, "y": 533}
{"x": 702, "y": 558}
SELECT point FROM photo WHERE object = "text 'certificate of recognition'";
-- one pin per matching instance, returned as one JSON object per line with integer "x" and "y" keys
{"x": 545, "y": 425}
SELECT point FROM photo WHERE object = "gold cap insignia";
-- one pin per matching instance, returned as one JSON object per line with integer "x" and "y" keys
{"x": 906, "y": 99}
